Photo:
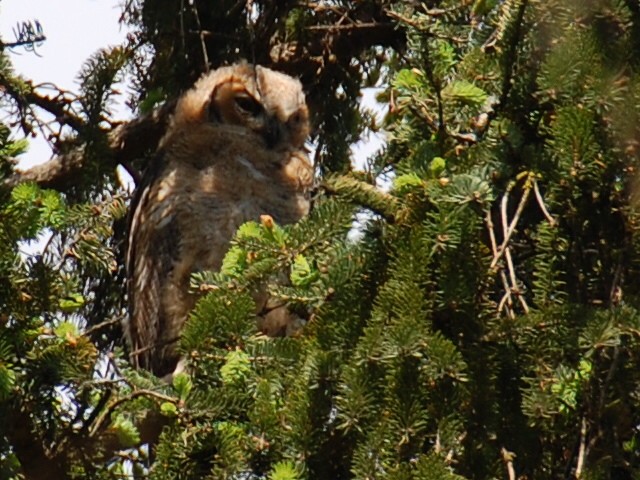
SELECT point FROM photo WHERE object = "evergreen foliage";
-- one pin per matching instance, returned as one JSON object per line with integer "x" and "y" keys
{"x": 479, "y": 319}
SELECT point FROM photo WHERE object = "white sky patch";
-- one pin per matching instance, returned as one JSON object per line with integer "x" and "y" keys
{"x": 372, "y": 142}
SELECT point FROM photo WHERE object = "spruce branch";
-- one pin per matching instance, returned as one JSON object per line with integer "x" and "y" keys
{"x": 364, "y": 194}
{"x": 615, "y": 362}
{"x": 420, "y": 110}
{"x": 422, "y": 28}
{"x": 27, "y": 34}
{"x": 337, "y": 32}
{"x": 102, "y": 420}
{"x": 37, "y": 463}
{"x": 513, "y": 43}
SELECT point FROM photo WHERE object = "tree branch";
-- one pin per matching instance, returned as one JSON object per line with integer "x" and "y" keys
{"x": 57, "y": 108}
{"x": 127, "y": 142}
{"x": 363, "y": 194}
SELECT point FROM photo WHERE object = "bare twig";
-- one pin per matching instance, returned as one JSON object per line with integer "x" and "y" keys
{"x": 127, "y": 142}
{"x": 101, "y": 325}
{"x": 508, "y": 231}
{"x": 350, "y": 26}
{"x": 507, "y": 458}
{"x": 438, "y": 12}
{"x": 506, "y": 300}
{"x": 203, "y": 45}
{"x": 22, "y": 42}
{"x": 583, "y": 448}
{"x": 543, "y": 207}
{"x": 514, "y": 281}
{"x": 510, "y": 282}
{"x": 104, "y": 416}
{"x": 146, "y": 348}
{"x": 116, "y": 370}
{"x": 615, "y": 292}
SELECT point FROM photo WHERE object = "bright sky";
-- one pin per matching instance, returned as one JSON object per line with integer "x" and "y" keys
{"x": 74, "y": 29}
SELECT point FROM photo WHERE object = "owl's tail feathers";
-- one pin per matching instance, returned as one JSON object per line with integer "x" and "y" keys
{"x": 276, "y": 320}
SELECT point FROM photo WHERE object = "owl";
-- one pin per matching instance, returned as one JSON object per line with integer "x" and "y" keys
{"x": 233, "y": 151}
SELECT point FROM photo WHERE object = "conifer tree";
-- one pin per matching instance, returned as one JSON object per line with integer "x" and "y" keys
{"x": 475, "y": 318}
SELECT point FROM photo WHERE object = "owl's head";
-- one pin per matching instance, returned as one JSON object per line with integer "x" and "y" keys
{"x": 266, "y": 102}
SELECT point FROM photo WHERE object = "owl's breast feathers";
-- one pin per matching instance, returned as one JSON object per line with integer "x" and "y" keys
{"x": 231, "y": 166}
{"x": 208, "y": 180}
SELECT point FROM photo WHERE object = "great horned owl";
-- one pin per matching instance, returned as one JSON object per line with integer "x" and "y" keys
{"x": 234, "y": 151}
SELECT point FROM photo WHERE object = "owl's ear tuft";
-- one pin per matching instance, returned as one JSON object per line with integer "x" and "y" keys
{"x": 191, "y": 108}
{"x": 213, "y": 114}
{"x": 195, "y": 104}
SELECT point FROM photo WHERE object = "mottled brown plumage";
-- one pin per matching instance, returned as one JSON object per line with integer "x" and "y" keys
{"x": 234, "y": 151}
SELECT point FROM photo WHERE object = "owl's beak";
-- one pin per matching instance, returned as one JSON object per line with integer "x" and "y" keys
{"x": 273, "y": 132}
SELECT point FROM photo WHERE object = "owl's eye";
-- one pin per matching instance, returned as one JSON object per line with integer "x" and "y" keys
{"x": 295, "y": 118}
{"x": 249, "y": 105}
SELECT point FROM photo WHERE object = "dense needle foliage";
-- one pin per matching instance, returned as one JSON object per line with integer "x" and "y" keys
{"x": 479, "y": 319}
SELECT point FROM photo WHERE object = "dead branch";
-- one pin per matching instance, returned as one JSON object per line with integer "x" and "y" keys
{"x": 59, "y": 109}
{"x": 507, "y": 458}
{"x": 510, "y": 281}
{"x": 127, "y": 142}
{"x": 583, "y": 448}
{"x": 509, "y": 227}
{"x": 542, "y": 205}
{"x": 507, "y": 301}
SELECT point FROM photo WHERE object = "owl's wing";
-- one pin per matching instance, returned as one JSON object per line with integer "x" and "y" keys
{"x": 153, "y": 246}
